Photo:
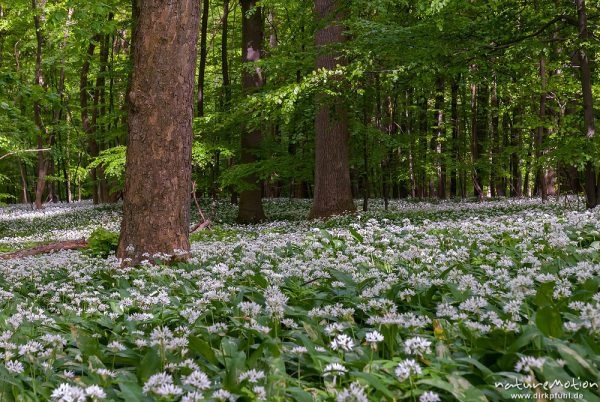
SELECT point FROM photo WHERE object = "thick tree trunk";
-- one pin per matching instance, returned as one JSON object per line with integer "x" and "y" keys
{"x": 156, "y": 205}
{"x": 250, "y": 207}
{"x": 333, "y": 193}
{"x": 592, "y": 185}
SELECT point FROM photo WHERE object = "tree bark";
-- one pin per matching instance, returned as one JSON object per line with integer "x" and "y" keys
{"x": 591, "y": 180}
{"x": 454, "y": 144}
{"x": 226, "y": 95}
{"x": 515, "y": 162}
{"x": 42, "y": 163}
{"x": 250, "y": 203}
{"x": 101, "y": 185}
{"x": 540, "y": 134}
{"x": 85, "y": 113}
{"x": 496, "y": 169}
{"x": 203, "y": 54}
{"x": 439, "y": 133}
{"x": 475, "y": 144}
{"x": 156, "y": 205}
{"x": 333, "y": 191}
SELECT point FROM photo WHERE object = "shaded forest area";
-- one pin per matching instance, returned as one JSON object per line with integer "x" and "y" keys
{"x": 424, "y": 99}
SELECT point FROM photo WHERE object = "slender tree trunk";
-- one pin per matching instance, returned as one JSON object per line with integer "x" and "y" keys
{"x": 515, "y": 161}
{"x": 592, "y": 185}
{"x": 23, "y": 173}
{"x": 439, "y": 133}
{"x": 58, "y": 112}
{"x": 365, "y": 175}
{"x": 226, "y": 94}
{"x": 496, "y": 166}
{"x": 1, "y": 38}
{"x": 203, "y": 54}
{"x": 42, "y": 163}
{"x": 250, "y": 208}
{"x": 421, "y": 151}
{"x": 156, "y": 205}
{"x": 333, "y": 190}
{"x": 540, "y": 133}
{"x": 476, "y": 148}
{"x": 225, "y": 97}
{"x": 454, "y": 144}
{"x": 412, "y": 144}
{"x": 99, "y": 109}
{"x": 85, "y": 113}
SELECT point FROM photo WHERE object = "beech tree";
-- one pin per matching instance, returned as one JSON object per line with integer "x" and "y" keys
{"x": 250, "y": 208}
{"x": 592, "y": 181}
{"x": 156, "y": 201}
{"x": 333, "y": 192}
{"x": 42, "y": 163}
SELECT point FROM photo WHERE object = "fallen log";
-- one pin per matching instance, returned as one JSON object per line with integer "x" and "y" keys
{"x": 202, "y": 225}
{"x": 45, "y": 249}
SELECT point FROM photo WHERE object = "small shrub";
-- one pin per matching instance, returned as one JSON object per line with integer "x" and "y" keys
{"x": 102, "y": 242}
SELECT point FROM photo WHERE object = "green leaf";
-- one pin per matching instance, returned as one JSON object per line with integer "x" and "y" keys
{"x": 149, "y": 365}
{"x": 87, "y": 345}
{"x": 203, "y": 348}
{"x": 576, "y": 363}
{"x": 359, "y": 238}
{"x": 549, "y": 321}
{"x": 131, "y": 391}
{"x": 544, "y": 295}
{"x": 299, "y": 394}
{"x": 375, "y": 382}
{"x": 530, "y": 334}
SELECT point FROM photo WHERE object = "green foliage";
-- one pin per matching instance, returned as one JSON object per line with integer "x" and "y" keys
{"x": 113, "y": 162}
{"x": 102, "y": 242}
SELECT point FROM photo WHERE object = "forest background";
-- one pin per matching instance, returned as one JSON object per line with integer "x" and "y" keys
{"x": 441, "y": 99}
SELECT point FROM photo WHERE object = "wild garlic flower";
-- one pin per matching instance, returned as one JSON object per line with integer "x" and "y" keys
{"x": 417, "y": 346}
{"x": 354, "y": 393}
{"x": 252, "y": 376}
{"x": 429, "y": 396}
{"x": 275, "y": 302}
{"x": 527, "y": 363}
{"x": 407, "y": 368}
{"x": 334, "y": 369}
{"x": 342, "y": 342}
{"x": 68, "y": 393}
{"x": 373, "y": 337}
{"x": 156, "y": 381}
{"x": 116, "y": 346}
{"x": 14, "y": 366}
{"x": 197, "y": 379}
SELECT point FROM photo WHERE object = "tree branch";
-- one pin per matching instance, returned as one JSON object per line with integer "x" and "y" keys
{"x": 24, "y": 150}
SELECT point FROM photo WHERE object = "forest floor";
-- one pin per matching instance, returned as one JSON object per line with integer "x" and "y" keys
{"x": 427, "y": 301}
